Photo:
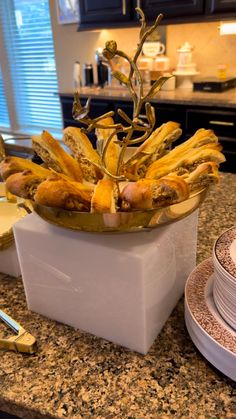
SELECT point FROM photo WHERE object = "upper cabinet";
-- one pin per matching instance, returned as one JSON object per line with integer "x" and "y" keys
{"x": 104, "y": 12}
{"x": 121, "y": 13}
{"x": 172, "y": 8}
{"x": 220, "y": 6}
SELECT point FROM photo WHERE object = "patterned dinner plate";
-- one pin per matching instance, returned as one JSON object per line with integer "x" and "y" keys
{"x": 214, "y": 338}
{"x": 225, "y": 251}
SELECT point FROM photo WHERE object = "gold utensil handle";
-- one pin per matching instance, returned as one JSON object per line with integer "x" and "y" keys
{"x": 23, "y": 341}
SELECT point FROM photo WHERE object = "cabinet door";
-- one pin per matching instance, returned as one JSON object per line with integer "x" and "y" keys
{"x": 223, "y": 123}
{"x": 172, "y": 8}
{"x": 97, "y": 11}
{"x": 220, "y": 6}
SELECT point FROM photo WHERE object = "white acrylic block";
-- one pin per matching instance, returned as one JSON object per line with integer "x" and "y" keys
{"x": 121, "y": 287}
{"x": 9, "y": 263}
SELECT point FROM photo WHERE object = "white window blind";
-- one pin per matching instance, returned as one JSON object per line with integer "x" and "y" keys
{"x": 4, "y": 117}
{"x": 29, "y": 44}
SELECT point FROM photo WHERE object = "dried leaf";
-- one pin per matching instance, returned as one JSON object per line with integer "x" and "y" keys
{"x": 156, "y": 86}
{"x": 121, "y": 77}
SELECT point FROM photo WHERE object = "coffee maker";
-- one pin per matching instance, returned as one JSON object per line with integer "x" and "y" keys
{"x": 103, "y": 68}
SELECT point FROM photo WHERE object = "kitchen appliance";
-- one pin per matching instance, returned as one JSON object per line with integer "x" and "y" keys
{"x": 214, "y": 84}
{"x": 88, "y": 74}
{"x": 102, "y": 68}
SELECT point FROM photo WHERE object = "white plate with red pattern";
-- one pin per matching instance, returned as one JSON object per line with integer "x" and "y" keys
{"x": 224, "y": 253}
{"x": 214, "y": 338}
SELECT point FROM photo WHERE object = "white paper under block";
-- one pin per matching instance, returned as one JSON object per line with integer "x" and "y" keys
{"x": 9, "y": 263}
{"x": 121, "y": 287}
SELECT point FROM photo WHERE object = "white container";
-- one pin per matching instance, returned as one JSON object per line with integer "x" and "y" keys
{"x": 121, "y": 287}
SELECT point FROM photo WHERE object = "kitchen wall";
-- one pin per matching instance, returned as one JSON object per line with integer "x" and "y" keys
{"x": 210, "y": 49}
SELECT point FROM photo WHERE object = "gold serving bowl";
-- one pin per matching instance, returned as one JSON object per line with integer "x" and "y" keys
{"x": 120, "y": 222}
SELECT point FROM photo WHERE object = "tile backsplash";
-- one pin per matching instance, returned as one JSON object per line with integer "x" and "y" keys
{"x": 210, "y": 49}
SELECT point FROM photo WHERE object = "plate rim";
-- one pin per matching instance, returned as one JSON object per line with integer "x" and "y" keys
{"x": 200, "y": 301}
{"x": 232, "y": 266}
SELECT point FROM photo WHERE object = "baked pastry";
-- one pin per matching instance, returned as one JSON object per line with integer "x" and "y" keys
{"x": 105, "y": 196}
{"x": 113, "y": 149}
{"x": 2, "y": 149}
{"x": 150, "y": 193}
{"x": 62, "y": 193}
{"x": 204, "y": 175}
{"x": 83, "y": 152}
{"x": 202, "y": 147}
{"x": 151, "y": 149}
{"x": 12, "y": 164}
{"x": 55, "y": 157}
{"x": 24, "y": 184}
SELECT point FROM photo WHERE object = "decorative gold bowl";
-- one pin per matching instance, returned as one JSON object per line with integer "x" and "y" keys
{"x": 120, "y": 222}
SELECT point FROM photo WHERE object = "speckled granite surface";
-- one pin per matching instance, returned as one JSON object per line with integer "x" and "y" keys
{"x": 178, "y": 96}
{"x": 76, "y": 375}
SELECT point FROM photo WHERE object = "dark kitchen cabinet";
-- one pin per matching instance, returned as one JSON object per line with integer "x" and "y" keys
{"x": 223, "y": 123}
{"x": 105, "y": 11}
{"x": 173, "y": 8}
{"x": 95, "y": 14}
{"x": 220, "y": 6}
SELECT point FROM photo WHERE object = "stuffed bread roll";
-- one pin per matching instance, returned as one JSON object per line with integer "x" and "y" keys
{"x": 13, "y": 164}
{"x": 204, "y": 175}
{"x": 113, "y": 149}
{"x": 84, "y": 153}
{"x": 150, "y": 193}
{"x": 55, "y": 157}
{"x": 152, "y": 149}
{"x": 24, "y": 184}
{"x": 61, "y": 193}
{"x": 185, "y": 160}
{"x": 105, "y": 197}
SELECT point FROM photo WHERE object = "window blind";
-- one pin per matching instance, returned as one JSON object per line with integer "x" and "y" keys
{"x": 4, "y": 117}
{"x": 29, "y": 44}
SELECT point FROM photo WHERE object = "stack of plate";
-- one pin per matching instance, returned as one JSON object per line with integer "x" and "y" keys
{"x": 211, "y": 334}
{"x": 224, "y": 289}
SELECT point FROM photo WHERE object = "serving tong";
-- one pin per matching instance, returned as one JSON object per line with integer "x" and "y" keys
{"x": 22, "y": 341}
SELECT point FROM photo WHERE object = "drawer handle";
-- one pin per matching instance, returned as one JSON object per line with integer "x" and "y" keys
{"x": 124, "y": 7}
{"x": 228, "y": 124}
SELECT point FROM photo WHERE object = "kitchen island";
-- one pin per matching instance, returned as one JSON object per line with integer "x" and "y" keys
{"x": 77, "y": 375}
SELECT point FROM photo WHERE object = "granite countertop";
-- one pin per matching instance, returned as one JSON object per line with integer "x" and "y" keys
{"x": 77, "y": 375}
{"x": 178, "y": 96}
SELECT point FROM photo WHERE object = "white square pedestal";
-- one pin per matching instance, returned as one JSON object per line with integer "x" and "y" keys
{"x": 121, "y": 287}
{"x": 9, "y": 263}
